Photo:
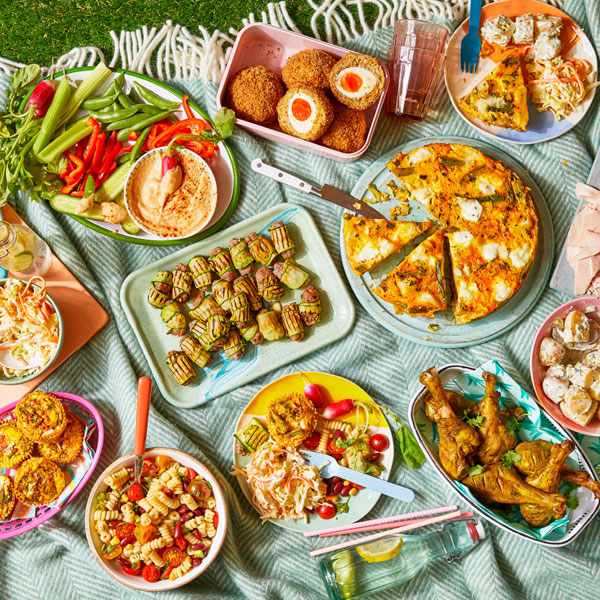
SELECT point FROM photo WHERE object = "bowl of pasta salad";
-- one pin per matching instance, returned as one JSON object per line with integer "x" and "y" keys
{"x": 162, "y": 533}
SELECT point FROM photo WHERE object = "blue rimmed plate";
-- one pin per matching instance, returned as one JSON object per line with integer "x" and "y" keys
{"x": 469, "y": 382}
{"x": 442, "y": 331}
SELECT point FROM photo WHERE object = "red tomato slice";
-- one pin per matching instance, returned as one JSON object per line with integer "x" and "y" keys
{"x": 135, "y": 492}
{"x": 124, "y": 530}
{"x": 351, "y": 82}
{"x": 333, "y": 448}
{"x": 173, "y": 555}
{"x": 150, "y": 573}
{"x": 110, "y": 555}
{"x": 181, "y": 543}
{"x": 149, "y": 468}
{"x": 301, "y": 109}
{"x": 312, "y": 442}
{"x": 216, "y": 520}
{"x": 132, "y": 571}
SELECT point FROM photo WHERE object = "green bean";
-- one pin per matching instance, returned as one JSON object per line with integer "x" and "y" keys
{"x": 115, "y": 115}
{"x": 126, "y": 123}
{"x": 124, "y": 100}
{"x": 148, "y": 109}
{"x": 155, "y": 99}
{"x": 149, "y": 120}
{"x": 97, "y": 103}
{"x": 137, "y": 147}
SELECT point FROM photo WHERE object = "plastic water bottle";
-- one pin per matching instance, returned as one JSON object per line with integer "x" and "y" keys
{"x": 22, "y": 251}
{"x": 369, "y": 568}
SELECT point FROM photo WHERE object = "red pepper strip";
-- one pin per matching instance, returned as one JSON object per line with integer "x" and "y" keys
{"x": 186, "y": 107}
{"x": 196, "y": 126}
{"x": 77, "y": 194}
{"x": 93, "y": 140}
{"x": 133, "y": 135}
{"x": 127, "y": 149}
{"x": 64, "y": 174}
{"x": 75, "y": 176}
{"x": 155, "y": 131}
{"x": 79, "y": 148}
{"x": 104, "y": 176}
{"x": 168, "y": 571}
{"x": 98, "y": 154}
{"x": 108, "y": 159}
{"x": 112, "y": 140}
{"x": 203, "y": 149}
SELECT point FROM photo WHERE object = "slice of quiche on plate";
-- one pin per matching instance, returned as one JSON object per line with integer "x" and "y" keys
{"x": 369, "y": 242}
{"x": 500, "y": 99}
{"x": 418, "y": 285}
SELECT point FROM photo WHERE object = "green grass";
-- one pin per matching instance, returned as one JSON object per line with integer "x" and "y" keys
{"x": 32, "y": 31}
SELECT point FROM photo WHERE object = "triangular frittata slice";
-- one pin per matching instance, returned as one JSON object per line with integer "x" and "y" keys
{"x": 369, "y": 242}
{"x": 418, "y": 286}
{"x": 500, "y": 99}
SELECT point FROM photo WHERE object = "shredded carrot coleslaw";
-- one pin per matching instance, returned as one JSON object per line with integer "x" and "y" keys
{"x": 282, "y": 484}
{"x": 559, "y": 84}
{"x": 29, "y": 330}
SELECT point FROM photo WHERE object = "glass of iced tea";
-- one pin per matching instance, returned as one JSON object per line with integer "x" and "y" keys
{"x": 415, "y": 63}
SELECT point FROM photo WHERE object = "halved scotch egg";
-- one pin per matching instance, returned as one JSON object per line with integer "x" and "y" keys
{"x": 305, "y": 112}
{"x": 357, "y": 80}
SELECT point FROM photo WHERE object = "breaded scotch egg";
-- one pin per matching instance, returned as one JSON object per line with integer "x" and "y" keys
{"x": 308, "y": 67}
{"x": 357, "y": 80}
{"x": 253, "y": 93}
{"x": 305, "y": 112}
{"x": 348, "y": 130}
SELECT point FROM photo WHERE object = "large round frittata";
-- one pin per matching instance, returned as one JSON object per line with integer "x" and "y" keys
{"x": 488, "y": 219}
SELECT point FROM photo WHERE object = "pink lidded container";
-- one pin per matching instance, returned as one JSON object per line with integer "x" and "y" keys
{"x": 261, "y": 44}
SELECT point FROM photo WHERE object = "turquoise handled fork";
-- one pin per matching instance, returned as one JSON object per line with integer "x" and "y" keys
{"x": 471, "y": 44}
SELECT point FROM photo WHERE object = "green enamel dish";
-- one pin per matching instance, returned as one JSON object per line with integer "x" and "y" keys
{"x": 223, "y": 165}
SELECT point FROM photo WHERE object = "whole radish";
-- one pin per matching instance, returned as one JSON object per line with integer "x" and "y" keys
{"x": 42, "y": 95}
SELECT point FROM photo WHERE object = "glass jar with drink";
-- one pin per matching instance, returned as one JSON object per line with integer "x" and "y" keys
{"x": 22, "y": 251}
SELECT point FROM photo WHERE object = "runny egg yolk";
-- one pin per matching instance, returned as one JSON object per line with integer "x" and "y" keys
{"x": 351, "y": 82}
{"x": 301, "y": 109}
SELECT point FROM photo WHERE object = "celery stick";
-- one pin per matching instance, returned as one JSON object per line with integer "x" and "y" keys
{"x": 85, "y": 88}
{"x": 50, "y": 122}
{"x": 64, "y": 141}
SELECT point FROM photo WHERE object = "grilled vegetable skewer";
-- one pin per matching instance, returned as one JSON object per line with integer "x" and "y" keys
{"x": 182, "y": 283}
{"x": 281, "y": 240}
{"x": 291, "y": 274}
{"x": 240, "y": 308}
{"x": 201, "y": 272}
{"x": 217, "y": 328}
{"x": 234, "y": 346}
{"x": 292, "y": 322}
{"x": 270, "y": 324}
{"x": 205, "y": 309}
{"x": 195, "y": 352}
{"x": 268, "y": 285}
{"x": 222, "y": 292}
{"x": 261, "y": 248}
{"x": 247, "y": 285}
{"x": 250, "y": 332}
{"x": 243, "y": 261}
{"x": 161, "y": 287}
{"x": 221, "y": 262}
{"x": 173, "y": 318}
{"x": 310, "y": 307}
{"x": 180, "y": 366}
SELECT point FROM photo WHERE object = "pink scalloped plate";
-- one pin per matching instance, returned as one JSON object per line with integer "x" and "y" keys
{"x": 537, "y": 370}
{"x": 81, "y": 406}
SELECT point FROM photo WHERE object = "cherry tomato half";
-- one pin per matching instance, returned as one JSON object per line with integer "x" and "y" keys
{"x": 181, "y": 543}
{"x": 173, "y": 555}
{"x": 327, "y": 510}
{"x": 312, "y": 442}
{"x": 379, "y": 442}
{"x": 199, "y": 489}
{"x": 144, "y": 533}
{"x": 150, "y": 573}
{"x": 124, "y": 530}
{"x": 113, "y": 553}
{"x": 135, "y": 492}
{"x": 163, "y": 461}
{"x": 149, "y": 468}
{"x": 333, "y": 448}
{"x": 132, "y": 571}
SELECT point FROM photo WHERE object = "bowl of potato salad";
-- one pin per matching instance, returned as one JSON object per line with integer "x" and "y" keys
{"x": 160, "y": 533}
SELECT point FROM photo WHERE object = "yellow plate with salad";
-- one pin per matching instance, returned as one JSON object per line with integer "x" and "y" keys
{"x": 294, "y": 411}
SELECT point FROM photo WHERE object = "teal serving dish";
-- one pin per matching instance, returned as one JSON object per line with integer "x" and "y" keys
{"x": 61, "y": 335}
{"x": 468, "y": 381}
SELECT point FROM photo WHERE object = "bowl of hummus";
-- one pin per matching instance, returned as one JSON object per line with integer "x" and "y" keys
{"x": 171, "y": 195}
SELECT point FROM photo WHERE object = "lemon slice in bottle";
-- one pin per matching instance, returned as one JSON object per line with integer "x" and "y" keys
{"x": 343, "y": 567}
{"x": 19, "y": 262}
{"x": 380, "y": 551}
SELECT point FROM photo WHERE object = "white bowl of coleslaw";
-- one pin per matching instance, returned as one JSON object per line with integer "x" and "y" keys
{"x": 31, "y": 330}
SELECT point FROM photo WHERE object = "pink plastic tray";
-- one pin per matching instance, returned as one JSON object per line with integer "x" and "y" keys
{"x": 537, "y": 370}
{"x": 17, "y": 526}
{"x": 260, "y": 44}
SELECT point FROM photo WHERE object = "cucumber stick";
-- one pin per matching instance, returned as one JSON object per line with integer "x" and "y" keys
{"x": 68, "y": 205}
{"x": 115, "y": 184}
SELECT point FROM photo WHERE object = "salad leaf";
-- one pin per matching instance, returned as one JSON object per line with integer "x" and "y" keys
{"x": 509, "y": 458}
{"x": 472, "y": 421}
{"x": 475, "y": 470}
{"x": 25, "y": 77}
{"x": 572, "y": 501}
{"x": 224, "y": 122}
{"x": 342, "y": 507}
{"x": 409, "y": 447}
{"x": 512, "y": 424}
